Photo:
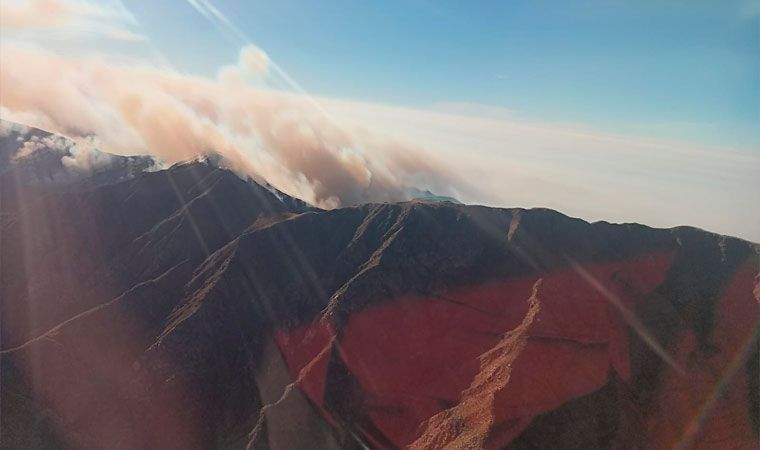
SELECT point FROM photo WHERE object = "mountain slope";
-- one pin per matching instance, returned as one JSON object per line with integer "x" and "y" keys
{"x": 404, "y": 341}
{"x": 189, "y": 309}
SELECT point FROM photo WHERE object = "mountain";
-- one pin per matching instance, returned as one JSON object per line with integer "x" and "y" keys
{"x": 431, "y": 197}
{"x": 187, "y": 308}
{"x": 35, "y": 157}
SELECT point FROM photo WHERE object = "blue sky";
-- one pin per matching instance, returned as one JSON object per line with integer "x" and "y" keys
{"x": 678, "y": 69}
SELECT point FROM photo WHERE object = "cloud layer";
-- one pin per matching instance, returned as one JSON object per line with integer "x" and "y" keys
{"x": 580, "y": 171}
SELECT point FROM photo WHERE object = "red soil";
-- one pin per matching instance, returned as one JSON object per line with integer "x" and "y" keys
{"x": 479, "y": 364}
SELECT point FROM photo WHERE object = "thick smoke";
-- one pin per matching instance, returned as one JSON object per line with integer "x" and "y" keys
{"x": 53, "y": 143}
{"x": 283, "y": 138}
{"x": 78, "y": 158}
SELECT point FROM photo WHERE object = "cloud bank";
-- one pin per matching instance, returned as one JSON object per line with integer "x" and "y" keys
{"x": 581, "y": 171}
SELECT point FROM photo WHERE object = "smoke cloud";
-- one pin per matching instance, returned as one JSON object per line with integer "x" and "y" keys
{"x": 34, "y": 14}
{"x": 253, "y": 60}
{"x": 268, "y": 135}
{"x": 56, "y": 144}
{"x": 73, "y": 17}
{"x": 322, "y": 150}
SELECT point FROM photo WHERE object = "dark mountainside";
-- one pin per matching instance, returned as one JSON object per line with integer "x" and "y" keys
{"x": 51, "y": 163}
{"x": 189, "y": 309}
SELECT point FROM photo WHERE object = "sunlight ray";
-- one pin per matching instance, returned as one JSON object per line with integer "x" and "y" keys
{"x": 628, "y": 316}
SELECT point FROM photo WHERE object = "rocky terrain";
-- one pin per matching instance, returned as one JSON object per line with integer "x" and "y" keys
{"x": 187, "y": 308}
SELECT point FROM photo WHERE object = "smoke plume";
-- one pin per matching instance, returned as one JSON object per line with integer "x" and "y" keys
{"x": 268, "y": 135}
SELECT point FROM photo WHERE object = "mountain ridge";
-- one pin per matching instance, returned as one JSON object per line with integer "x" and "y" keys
{"x": 208, "y": 313}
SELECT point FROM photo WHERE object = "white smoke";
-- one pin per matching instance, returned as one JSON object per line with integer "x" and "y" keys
{"x": 69, "y": 18}
{"x": 265, "y": 134}
{"x": 56, "y": 144}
